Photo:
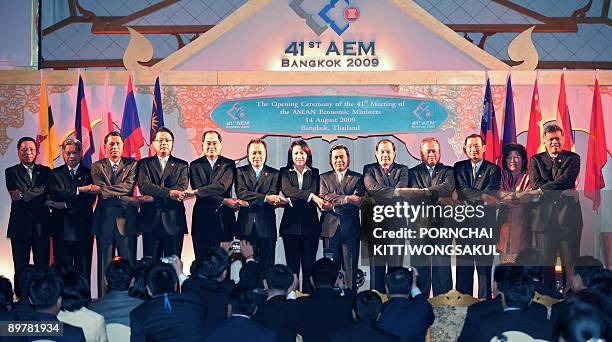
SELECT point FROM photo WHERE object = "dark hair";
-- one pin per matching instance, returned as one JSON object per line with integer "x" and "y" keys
{"x": 531, "y": 260}
{"x": 586, "y": 266}
{"x": 517, "y": 289}
{"x": 279, "y": 277}
{"x": 161, "y": 278}
{"x": 471, "y": 136}
{"x": 112, "y": 134}
{"x": 6, "y": 294}
{"x": 383, "y": 141}
{"x": 242, "y": 301}
{"x": 601, "y": 282}
{"x": 581, "y": 319}
{"x": 60, "y": 268}
{"x": 399, "y": 280}
{"x": 24, "y": 139}
{"x": 139, "y": 289}
{"x": 520, "y": 149}
{"x": 119, "y": 274}
{"x": 163, "y": 130}
{"x": 24, "y": 278}
{"x": 367, "y": 305}
{"x": 214, "y": 262}
{"x": 256, "y": 141}
{"x": 305, "y": 148}
{"x": 76, "y": 293}
{"x": 502, "y": 271}
{"x": 339, "y": 147}
{"x": 45, "y": 291}
{"x": 324, "y": 272}
{"x": 212, "y": 132}
{"x": 552, "y": 128}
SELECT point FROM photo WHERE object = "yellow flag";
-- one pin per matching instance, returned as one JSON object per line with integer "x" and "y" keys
{"x": 46, "y": 139}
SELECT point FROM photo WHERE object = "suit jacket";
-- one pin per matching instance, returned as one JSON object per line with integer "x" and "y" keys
{"x": 213, "y": 295}
{"x": 397, "y": 311}
{"x": 344, "y": 215}
{"x": 185, "y": 322}
{"x": 280, "y": 314}
{"x": 242, "y": 329}
{"x": 324, "y": 311}
{"x": 71, "y": 333}
{"x": 364, "y": 330}
{"x": 75, "y": 221}
{"x": 301, "y": 218}
{"x": 488, "y": 180}
{"x": 28, "y": 214}
{"x": 442, "y": 184}
{"x": 555, "y": 213}
{"x": 152, "y": 181}
{"x": 209, "y": 215}
{"x": 477, "y": 311}
{"x": 110, "y": 210}
{"x": 116, "y": 306}
{"x": 254, "y": 191}
{"x": 515, "y": 320}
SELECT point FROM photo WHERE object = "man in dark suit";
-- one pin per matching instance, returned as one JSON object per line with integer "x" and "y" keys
{"x": 367, "y": 308}
{"x": 116, "y": 213}
{"x": 485, "y": 308}
{"x": 477, "y": 182}
{"x": 70, "y": 188}
{"x": 384, "y": 181}
{"x": 436, "y": 183}
{"x": 278, "y": 312}
{"x": 557, "y": 218}
{"x": 165, "y": 178}
{"x": 516, "y": 296}
{"x": 168, "y": 315}
{"x": 239, "y": 326}
{"x": 257, "y": 184}
{"x": 28, "y": 226}
{"x": 117, "y": 304}
{"x": 212, "y": 175}
{"x": 326, "y": 309}
{"x": 406, "y": 304}
{"x": 341, "y": 227}
{"x": 46, "y": 298}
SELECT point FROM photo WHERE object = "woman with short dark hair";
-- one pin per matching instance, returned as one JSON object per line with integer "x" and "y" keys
{"x": 515, "y": 234}
{"x": 75, "y": 300}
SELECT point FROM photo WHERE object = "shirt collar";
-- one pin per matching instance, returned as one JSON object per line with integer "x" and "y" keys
{"x": 257, "y": 170}
{"x": 477, "y": 165}
{"x": 212, "y": 162}
{"x": 239, "y": 315}
{"x": 341, "y": 174}
{"x": 28, "y": 167}
{"x": 306, "y": 168}
{"x": 164, "y": 158}
{"x": 76, "y": 168}
{"x": 553, "y": 156}
{"x": 113, "y": 163}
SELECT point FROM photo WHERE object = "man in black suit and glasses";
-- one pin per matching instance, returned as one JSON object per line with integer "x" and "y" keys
{"x": 165, "y": 178}
{"x": 557, "y": 218}
{"x": 340, "y": 226}
{"x": 28, "y": 226}
{"x": 477, "y": 182}
{"x": 384, "y": 182}
{"x": 71, "y": 190}
{"x": 258, "y": 185}
{"x": 116, "y": 213}
{"x": 436, "y": 184}
{"x": 212, "y": 177}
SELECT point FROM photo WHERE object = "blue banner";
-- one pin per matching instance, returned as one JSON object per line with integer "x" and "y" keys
{"x": 330, "y": 115}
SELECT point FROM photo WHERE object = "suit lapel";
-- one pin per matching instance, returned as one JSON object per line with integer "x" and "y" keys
{"x": 167, "y": 170}
{"x": 436, "y": 174}
{"x": 307, "y": 179}
{"x": 479, "y": 175}
{"x": 252, "y": 181}
{"x": 23, "y": 173}
{"x": 423, "y": 174}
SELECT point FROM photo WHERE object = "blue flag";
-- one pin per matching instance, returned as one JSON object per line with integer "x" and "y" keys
{"x": 157, "y": 115}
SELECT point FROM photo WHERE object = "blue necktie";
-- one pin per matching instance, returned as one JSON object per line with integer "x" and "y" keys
{"x": 115, "y": 169}
{"x": 257, "y": 175}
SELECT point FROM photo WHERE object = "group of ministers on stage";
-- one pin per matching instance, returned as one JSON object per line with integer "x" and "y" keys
{"x": 529, "y": 205}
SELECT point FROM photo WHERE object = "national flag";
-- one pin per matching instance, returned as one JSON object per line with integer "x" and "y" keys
{"x": 597, "y": 154}
{"x": 106, "y": 121}
{"x": 131, "y": 133}
{"x": 509, "y": 136}
{"x": 82, "y": 125}
{"x": 535, "y": 131}
{"x": 563, "y": 118}
{"x": 46, "y": 138}
{"x": 157, "y": 115}
{"x": 488, "y": 127}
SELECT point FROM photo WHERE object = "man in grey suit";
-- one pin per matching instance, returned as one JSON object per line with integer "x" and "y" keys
{"x": 435, "y": 183}
{"x": 116, "y": 214}
{"x": 340, "y": 227}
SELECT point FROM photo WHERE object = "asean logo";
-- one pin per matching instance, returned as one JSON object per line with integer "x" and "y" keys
{"x": 321, "y": 14}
